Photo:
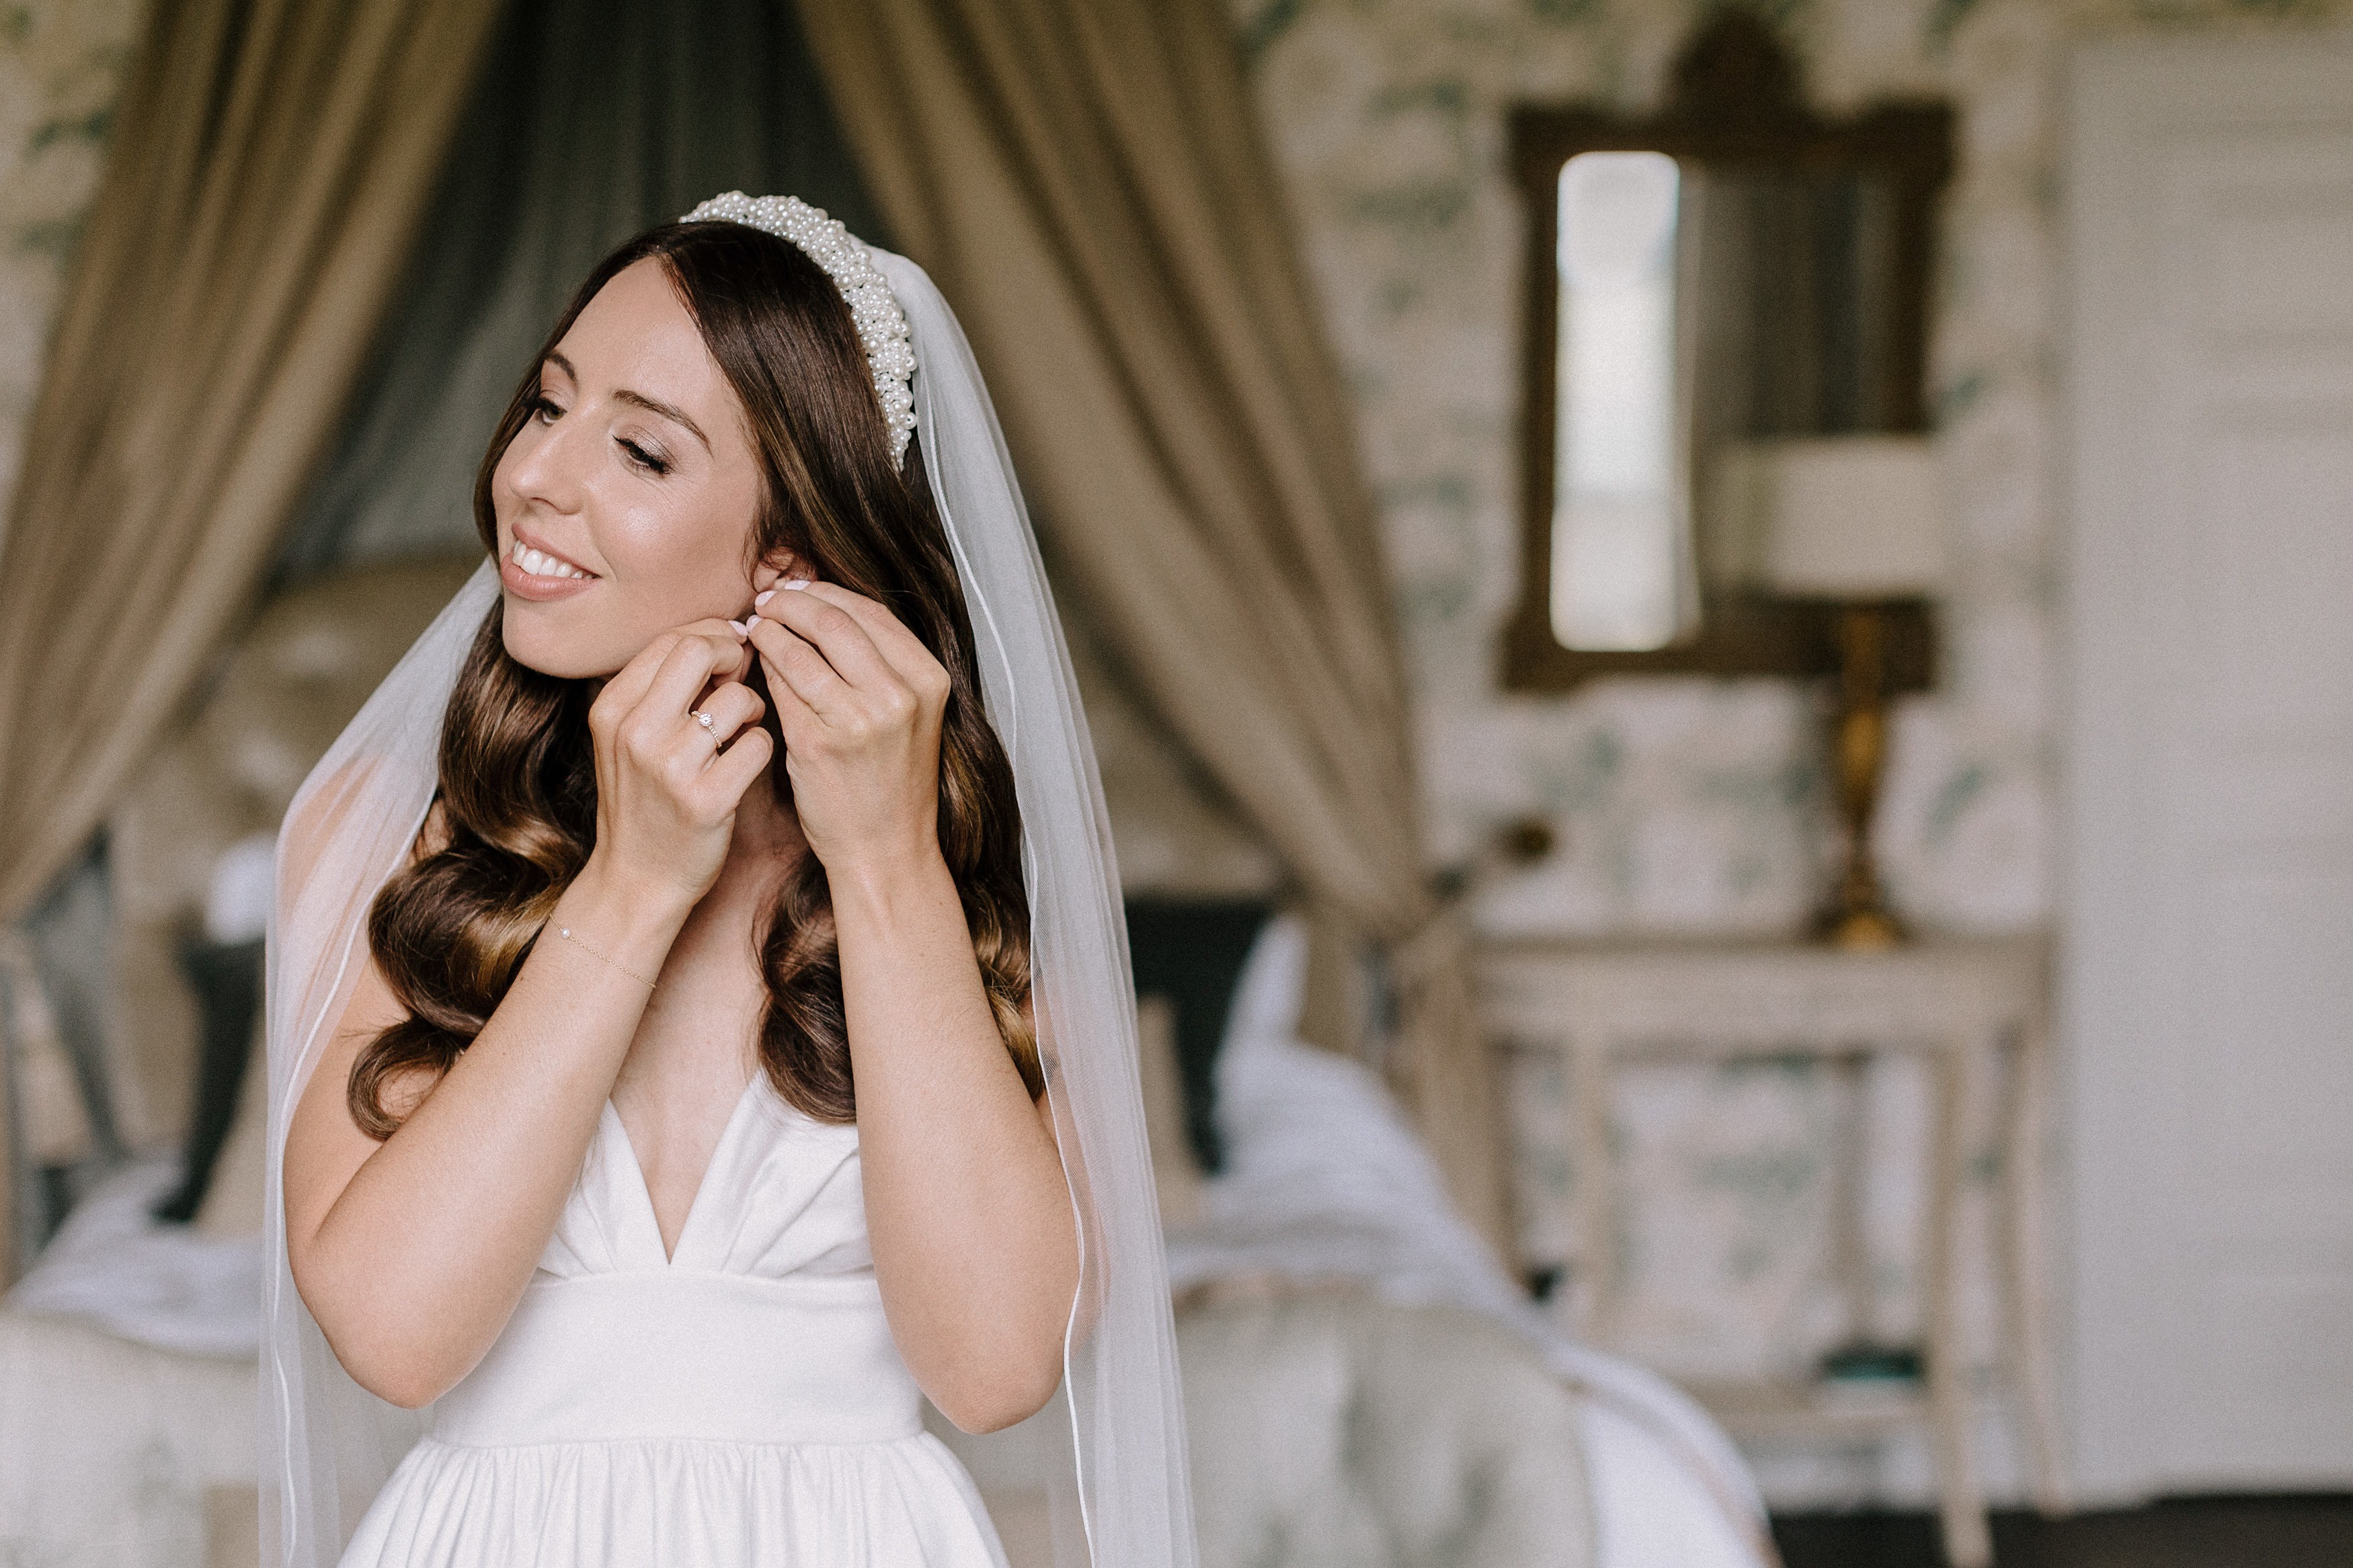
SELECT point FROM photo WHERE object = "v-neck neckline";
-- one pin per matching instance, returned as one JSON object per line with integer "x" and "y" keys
{"x": 644, "y": 1189}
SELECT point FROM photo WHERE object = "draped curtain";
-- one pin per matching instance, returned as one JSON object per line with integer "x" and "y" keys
{"x": 257, "y": 210}
{"x": 1085, "y": 181}
{"x": 264, "y": 182}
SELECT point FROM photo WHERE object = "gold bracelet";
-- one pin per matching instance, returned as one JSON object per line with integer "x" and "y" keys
{"x": 565, "y": 932}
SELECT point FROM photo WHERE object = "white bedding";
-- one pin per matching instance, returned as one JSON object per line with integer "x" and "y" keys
{"x": 1323, "y": 1181}
{"x": 108, "y": 1449}
{"x": 113, "y": 1264}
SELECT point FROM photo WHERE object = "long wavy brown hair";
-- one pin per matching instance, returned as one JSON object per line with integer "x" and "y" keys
{"x": 516, "y": 811}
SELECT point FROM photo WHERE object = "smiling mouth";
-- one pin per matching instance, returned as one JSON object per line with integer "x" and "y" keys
{"x": 539, "y": 563}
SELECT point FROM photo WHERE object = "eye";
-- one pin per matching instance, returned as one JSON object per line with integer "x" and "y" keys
{"x": 544, "y": 411}
{"x": 652, "y": 461}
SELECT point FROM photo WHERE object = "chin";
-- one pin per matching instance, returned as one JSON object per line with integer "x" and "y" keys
{"x": 565, "y": 641}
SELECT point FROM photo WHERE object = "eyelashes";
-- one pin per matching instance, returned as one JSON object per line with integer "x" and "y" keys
{"x": 652, "y": 461}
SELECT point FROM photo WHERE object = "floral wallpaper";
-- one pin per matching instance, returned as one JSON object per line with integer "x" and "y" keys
{"x": 1688, "y": 807}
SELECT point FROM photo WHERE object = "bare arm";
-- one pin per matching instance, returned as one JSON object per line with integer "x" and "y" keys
{"x": 412, "y": 1253}
{"x": 976, "y": 1245}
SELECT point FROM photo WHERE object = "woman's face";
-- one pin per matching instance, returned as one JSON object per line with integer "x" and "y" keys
{"x": 624, "y": 504}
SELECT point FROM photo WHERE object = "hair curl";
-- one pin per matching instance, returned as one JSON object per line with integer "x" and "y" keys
{"x": 516, "y": 808}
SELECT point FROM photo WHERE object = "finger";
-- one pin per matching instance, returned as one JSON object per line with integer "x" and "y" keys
{"x": 627, "y": 687}
{"x": 915, "y": 666}
{"x": 904, "y": 650}
{"x": 794, "y": 665}
{"x": 686, "y": 673}
{"x": 728, "y": 709}
{"x": 730, "y": 635}
{"x": 737, "y": 768}
{"x": 833, "y": 632}
{"x": 800, "y": 724}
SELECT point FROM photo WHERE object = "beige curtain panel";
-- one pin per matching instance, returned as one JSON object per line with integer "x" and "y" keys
{"x": 266, "y": 174}
{"x": 1085, "y": 180}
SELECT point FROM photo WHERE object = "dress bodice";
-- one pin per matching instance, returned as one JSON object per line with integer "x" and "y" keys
{"x": 764, "y": 1326}
{"x": 781, "y": 1199}
{"x": 739, "y": 1404}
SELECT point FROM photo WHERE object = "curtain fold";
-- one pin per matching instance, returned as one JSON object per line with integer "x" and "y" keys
{"x": 255, "y": 213}
{"x": 261, "y": 189}
{"x": 1084, "y": 179}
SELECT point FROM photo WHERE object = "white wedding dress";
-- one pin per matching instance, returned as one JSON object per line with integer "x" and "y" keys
{"x": 739, "y": 1404}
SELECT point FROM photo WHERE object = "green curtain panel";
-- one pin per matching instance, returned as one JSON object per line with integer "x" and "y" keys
{"x": 593, "y": 120}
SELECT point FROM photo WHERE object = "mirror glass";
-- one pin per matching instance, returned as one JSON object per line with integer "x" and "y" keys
{"x": 1701, "y": 306}
{"x": 1621, "y": 569}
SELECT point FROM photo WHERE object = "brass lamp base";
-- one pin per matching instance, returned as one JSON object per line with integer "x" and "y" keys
{"x": 1859, "y": 918}
{"x": 1864, "y": 931}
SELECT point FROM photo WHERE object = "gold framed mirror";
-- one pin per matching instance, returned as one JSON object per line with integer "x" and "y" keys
{"x": 1731, "y": 271}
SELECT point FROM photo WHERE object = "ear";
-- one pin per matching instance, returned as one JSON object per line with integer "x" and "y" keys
{"x": 778, "y": 565}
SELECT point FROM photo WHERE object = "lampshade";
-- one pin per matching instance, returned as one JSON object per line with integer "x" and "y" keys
{"x": 1848, "y": 517}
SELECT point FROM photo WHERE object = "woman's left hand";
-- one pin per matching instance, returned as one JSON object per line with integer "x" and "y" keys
{"x": 859, "y": 701}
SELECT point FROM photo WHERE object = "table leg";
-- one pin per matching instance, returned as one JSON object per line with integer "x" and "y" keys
{"x": 1594, "y": 1174}
{"x": 1850, "y": 1247}
{"x": 1968, "y": 1543}
{"x": 2027, "y": 1296}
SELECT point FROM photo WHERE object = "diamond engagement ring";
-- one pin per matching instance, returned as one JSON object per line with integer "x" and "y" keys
{"x": 704, "y": 720}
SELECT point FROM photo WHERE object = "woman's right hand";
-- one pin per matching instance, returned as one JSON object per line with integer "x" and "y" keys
{"x": 667, "y": 788}
{"x": 409, "y": 1272}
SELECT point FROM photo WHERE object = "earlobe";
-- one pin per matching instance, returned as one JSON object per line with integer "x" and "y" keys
{"x": 775, "y": 567}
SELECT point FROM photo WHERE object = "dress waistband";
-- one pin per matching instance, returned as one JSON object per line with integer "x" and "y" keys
{"x": 719, "y": 1357}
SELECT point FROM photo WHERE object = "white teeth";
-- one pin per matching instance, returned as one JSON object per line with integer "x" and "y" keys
{"x": 540, "y": 565}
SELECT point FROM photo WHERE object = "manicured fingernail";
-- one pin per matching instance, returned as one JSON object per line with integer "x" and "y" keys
{"x": 797, "y": 583}
{"x": 761, "y": 599}
{"x": 741, "y": 629}
{"x": 749, "y": 622}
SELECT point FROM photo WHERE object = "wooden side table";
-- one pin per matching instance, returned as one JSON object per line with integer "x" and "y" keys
{"x": 1965, "y": 1010}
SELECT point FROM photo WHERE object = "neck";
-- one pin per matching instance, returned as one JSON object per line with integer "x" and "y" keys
{"x": 766, "y": 843}
{"x": 767, "y": 833}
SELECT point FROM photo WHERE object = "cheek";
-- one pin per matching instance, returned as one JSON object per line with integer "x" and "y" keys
{"x": 679, "y": 552}
{"x": 669, "y": 555}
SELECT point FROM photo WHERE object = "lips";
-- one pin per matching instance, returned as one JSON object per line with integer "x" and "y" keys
{"x": 531, "y": 572}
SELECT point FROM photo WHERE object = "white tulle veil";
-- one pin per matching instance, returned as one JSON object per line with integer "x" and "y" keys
{"x": 327, "y": 1445}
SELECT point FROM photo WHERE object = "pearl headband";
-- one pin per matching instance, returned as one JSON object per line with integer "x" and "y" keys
{"x": 882, "y": 324}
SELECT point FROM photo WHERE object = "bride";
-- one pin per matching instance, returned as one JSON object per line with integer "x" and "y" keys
{"x": 699, "y": 1029}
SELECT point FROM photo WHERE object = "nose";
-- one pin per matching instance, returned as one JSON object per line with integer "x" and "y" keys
{"x": 545, "y": 466}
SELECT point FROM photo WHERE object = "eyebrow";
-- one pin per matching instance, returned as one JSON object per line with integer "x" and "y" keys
{"x": 669, "y": 411}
